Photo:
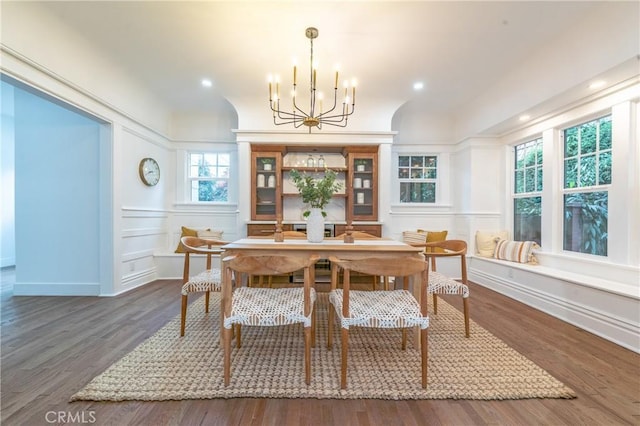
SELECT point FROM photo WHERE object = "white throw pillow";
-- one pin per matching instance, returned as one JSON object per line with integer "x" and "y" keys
{"x": 210, "y": 234}
{"x": 486, "y": 241}
{"x": 413, "y": 237}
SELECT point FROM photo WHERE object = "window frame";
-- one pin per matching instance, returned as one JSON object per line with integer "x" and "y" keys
{"x": 538, "y": 190}
{"x": 564, "y": 190}
{"x": 435, "y": 181}
{"x": 188, "y": 179}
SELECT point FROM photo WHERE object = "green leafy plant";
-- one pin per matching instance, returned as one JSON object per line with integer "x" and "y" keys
{"x": 316, "y": 192}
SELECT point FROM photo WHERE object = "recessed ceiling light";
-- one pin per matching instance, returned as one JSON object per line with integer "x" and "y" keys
{"x": 206, "y": 82}
{"x": 524, "y": 117}
{"x": 418, "y": 85}
{"x": 597, "y": 84}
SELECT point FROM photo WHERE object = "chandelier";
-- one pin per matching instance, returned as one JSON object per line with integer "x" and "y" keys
{"x": 337, "y": 115}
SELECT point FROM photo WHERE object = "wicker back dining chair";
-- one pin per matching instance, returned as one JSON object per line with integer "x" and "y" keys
{"x": 206, "y": 281}
{"x": 440, "y": 284}
{"x": 379, "y": 309}
{"x": 360, "y": 235}
{"x": 287, "y": 235}
{"x": 256, "y": 306}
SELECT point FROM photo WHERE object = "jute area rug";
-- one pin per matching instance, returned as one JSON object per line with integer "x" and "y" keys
{"x": 270, "y": 364}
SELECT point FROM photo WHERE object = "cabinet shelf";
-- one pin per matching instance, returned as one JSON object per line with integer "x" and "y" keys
{"x": 296, "y": 194}
{"x": 313, "y": 169}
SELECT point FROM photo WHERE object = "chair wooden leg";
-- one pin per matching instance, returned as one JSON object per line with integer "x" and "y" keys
{"x": 386, "y": 283}
{"x": 435, "y": 304}
{"x": 307, "y": 355}
{"x": 183, "y": 315}
{"x": 206, "y": 301}
{"x": 238, "y": 335}
{"x": 424, "y": 355}
{"x": 227, "y": 355}
{"x": 313, "y": 327}
{"x": 345, "y": 351}
{"x": 404, "y": 339}
{"x": 330, "y": 328}
{"x": 465, "y": 304}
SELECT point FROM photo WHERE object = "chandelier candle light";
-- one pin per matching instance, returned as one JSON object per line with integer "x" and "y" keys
{"x": 315, "y": 117}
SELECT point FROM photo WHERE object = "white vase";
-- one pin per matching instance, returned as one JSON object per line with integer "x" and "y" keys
{"x": 315, "y": 226}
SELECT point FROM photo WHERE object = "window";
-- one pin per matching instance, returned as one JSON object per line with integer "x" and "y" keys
{"x": 209, "y": 176}
{"x": 417, "y": 175}
{"x": 527, "y": 202}
{"x": 587, "y": 171}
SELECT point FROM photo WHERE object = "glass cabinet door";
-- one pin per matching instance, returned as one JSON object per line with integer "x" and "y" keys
{"x": 363, "y": 186}
{"x": 266, "y": 196}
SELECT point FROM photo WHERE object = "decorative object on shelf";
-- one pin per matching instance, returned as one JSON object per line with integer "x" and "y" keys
{"x": 315, "y": 116}
{"x": 316, "y": 192}
{"x": 360, "y": 198}
{"x": 260, "y": 181}
{"x": 357, "y": 183}
{"x": 360, "y": 165}
{"x": 267, "y": 164}
{"x": 321, "y": 161}
{"x": 271, "y": 182}
{"x": 366, "y": 183}
{"x": 310, "y": 161}
{"x": 149, "y": 171}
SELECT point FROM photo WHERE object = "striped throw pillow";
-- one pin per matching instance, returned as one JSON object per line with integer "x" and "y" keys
{"x": 516, "y": 251}
{"x": 412, "y": 237}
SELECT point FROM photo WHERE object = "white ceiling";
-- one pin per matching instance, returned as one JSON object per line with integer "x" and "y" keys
{"x": 457, "y": 49}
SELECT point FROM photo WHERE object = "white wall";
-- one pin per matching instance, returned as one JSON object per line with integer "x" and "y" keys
{"x": 7, "y": 166}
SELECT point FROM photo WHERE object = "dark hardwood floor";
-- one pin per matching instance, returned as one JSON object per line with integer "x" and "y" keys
{"x": 52, "y": 346}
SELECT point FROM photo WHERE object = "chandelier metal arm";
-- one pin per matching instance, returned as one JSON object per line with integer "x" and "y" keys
{"x": 314, "y": 117}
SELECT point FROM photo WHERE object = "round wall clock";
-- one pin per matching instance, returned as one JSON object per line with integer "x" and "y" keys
{"x": 149, "y": 171}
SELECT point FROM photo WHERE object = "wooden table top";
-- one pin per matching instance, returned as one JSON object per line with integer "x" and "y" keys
{"x": 328, "y": 244}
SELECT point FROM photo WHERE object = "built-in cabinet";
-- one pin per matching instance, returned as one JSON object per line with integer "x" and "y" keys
{"x": 362, "y": 184}
{"x": 271, "y": 188}
{"x": 266, "y": 185}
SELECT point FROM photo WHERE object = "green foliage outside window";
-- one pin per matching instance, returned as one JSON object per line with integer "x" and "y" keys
{"x": 585, "y": 222}
{"x": 587, "y": 154}
{"x": 528, "y": 167}
{"x": 209, "y": 176}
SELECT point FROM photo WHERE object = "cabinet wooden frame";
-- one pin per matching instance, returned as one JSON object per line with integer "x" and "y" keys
{"x": 267, "y": 202}
{"x": 362, "y": 183}
{"x": 266, "y": 199}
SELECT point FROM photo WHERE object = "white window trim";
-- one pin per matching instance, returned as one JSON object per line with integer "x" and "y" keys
{"x": 183, "y": 182}
{"x": 442, "y": 188}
